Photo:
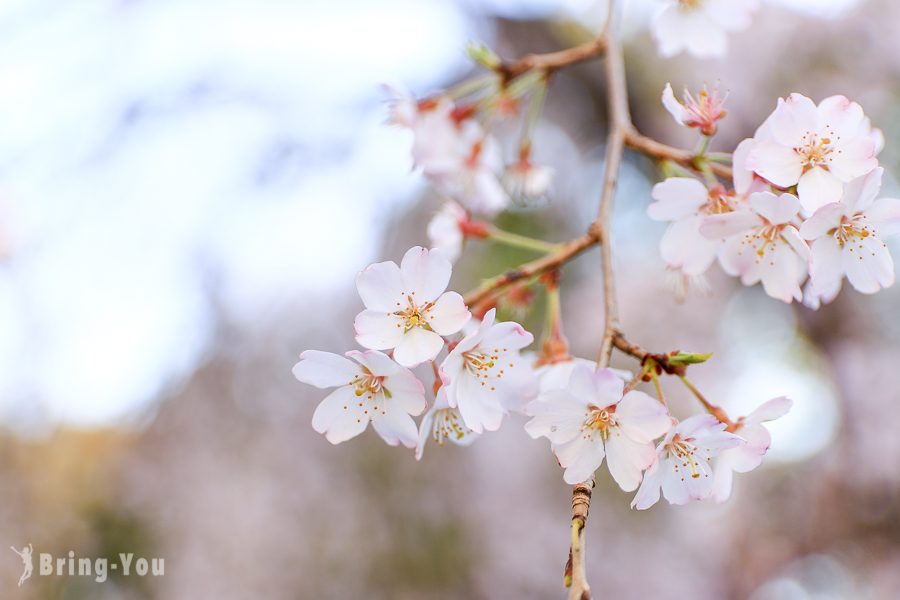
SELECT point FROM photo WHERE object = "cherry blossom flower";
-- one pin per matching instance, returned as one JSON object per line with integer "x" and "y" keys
{"x": 816, "y": 148}
{"x": 484, "y": 375}
{"x": 446, "y": 230}
{"x": 373, "y": 388}
{"x": 407, "y": 308}
{"x": 682, "y": 467}
{"x": 699, "y": 26}
{"x": 847, "y": 239}
{"x": 526, "y": 182}
{"x": 592, "y": 418}
{"x": 748, "y": 456}
{"x": 763, "y": 244}
{"x": 443, "y": 423}
{"x": 702, "y": 112}
{"x": 555, "y": 375}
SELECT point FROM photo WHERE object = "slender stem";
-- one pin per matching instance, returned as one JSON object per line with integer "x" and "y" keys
{"x": 520, "y": 241}
{"x": 554, "y": 60}
{"x": 711, "y": 408}
{"x": 658, "y": 386}
{"x": 661, "y": 151}
{"x": 703, "y": 146}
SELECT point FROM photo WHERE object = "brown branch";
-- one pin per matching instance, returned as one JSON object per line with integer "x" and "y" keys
{"x": 661, "y": 151}
{"x": 553, "y": 60}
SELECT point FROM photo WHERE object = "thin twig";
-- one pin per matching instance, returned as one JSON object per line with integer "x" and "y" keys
{"x": 554, "y": 60}
{"x": 658, "y": 150}
{"x": 711, "y": 408}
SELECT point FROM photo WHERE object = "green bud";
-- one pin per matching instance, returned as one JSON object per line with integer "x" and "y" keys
{"x": 483, "y": 55}
{"x": 688, "y": 358}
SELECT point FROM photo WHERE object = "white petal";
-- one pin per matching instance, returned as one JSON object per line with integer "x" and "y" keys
{"x": 627, "y": 459}
{"x": 677, "y": 197}
{"x": 642, "y": 418}
{"x": 425, "y": 429}
{"x": 781, "y": 272}
{"x": 718, "y": 227}
{"x": 449, "y": 314}
{"x": 884, "y": 214}
{"x": 853, "y": 159}
{"x": 868, "y": 264}
{"x": 860, "y": 193}
{"x": 608, "y": 387}
{"x": 775, "y": 209}
{"x": 822, "y": 221}
{"x": 723, "y": 478}
{"x": 380, "y": 286}
{"x": 480, "y": 410}
{"x": 648, "y": 494}
{"x": 826, "y": 268}
{"x": 395, "y": 426}
{"x": 818, "y": 187}
{"x": 378, "y": 330}
{"x": 675, "y": 108}
{"x": 425, "y": 274}
{"x": 580, "y": 457}
{"x": 507, "y": 335}
{"x": 743, "y": 175}
{"x": 339, "y": 416}
{"x": 684, "y": 248}
{"x": 839, "y": 118}
{"x": 558, "y": 416}
{"x": 324, "y": 369}
{"x": 775, "y": 162}
{"x": 794, "y": 118}
{"x": 675, "y": 483}
{"x": 417, "y": 346}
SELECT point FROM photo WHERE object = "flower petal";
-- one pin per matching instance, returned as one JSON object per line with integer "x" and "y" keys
{"x": 339, "y": 416}
{"x": 775, "y": 209}
{"x": 627, "y": 459}
{"x": 676, "y": 198}
{"x": 425, "y": 274}
{"x": 868, "y": 264}
{"x": 396, "y": 427}
{"x": 449, "y": 314}
{"x": 775, "y": 162}
{"x": 381, "y": 286}
{"x": 818, "y": 187}
{"x": 417, "y": 346}
{"x": 324, "y": 369}
{"x": 378, "y": 330}
{"x": 580, "y": 457}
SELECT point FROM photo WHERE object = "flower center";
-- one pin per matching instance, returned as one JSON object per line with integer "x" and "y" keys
{"x": 447, "y": 425}
{"x": 369, "y": 385}
{"x": 413, "y": 315}
{"x": 718, "y": 202}
{"x": 484, "y": 365}
{"x": 814, "y": 151}
{"x": 852, "y": 228}
{"x": 600, "y": 420}
{"x": 689, "y": 4}
{"x": 684, "y": 454}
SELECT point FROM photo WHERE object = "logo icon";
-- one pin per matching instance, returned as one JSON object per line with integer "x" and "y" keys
{"x": 25, "y": 554}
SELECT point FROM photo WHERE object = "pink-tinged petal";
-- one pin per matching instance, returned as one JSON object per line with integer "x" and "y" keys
{"x": 426, "y": 427}
{"x": 642, "y": 418}
{"x": 781, "y": 272}
{"x": 675, "y": 108}
{"x": 479, "y": 409}
{"x": 425, "y": 274}
{"x": 675, "y": 484}
{"x": 725, "y": 225}
{"x": 581, "y": 384}
{"x": 723, "y": 479}
{"x": 884, "y": 215}
{"x": 698, "y": 481}
{"x": 698, "y": 424}
{"x": 860, "y": 193}
{"x": 667, "y": 30}
{"x": 648, "y": 494}
{"x": 378, "y": 363}
{"x": 743, "y": 175}
{"x": 853, "y": 159}
{"x": 580, "y": 457}
{"x": 395, "y": 427}
{"x": 839, "y": 118}
{"x": 795, "y": 118}
{"x": 608, "y": 387}
{"x": 685, "y": 249}
{"x": 775, "y": 209}
{"x": 791, "y": 235}
{"x": 775, "y": 162}
{"x": 815, "y": 295}
{"x": 449, "y": 314}
{"x": 378, "y": 330}
{"x": 407, "y": 393}
{"x": 381, "y": 286}
{"x": 868, "y": 264}
{"x": 417, "y": 346}
{"x": 826, "y": 267}
{"x": 324, "y": 369}
{"x": 676, "y": 198}
{"x": 506, "y": 336}
{"x": 627, "y": 459}
{"x": 736, "y": 257}
{"x": 822, "y": 221}
{"x": 339, "y": 416}
{"x": 557, "y": 415}
{"x": 818, "y": 187}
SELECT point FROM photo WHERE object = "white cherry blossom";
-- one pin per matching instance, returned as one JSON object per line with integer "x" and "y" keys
{"x": 592, "y": 419}
{"x": 370, "y": 388}
{"x": 763, "y": 244}
{"x": 699, "y": 26}
{"x": 816, "y": 148}
{"x": 484, "y": 375}
{"x": 847, "y": 239}
{"x": 526, "y": 182}
{"x": 446, "y": 230}
{"x": 442, "y": 423}
{"x": 748, "y": 456}
{"x": 702, "y": 112}
{"x": 407, "y": 309}
{"x": 682, "y": 466}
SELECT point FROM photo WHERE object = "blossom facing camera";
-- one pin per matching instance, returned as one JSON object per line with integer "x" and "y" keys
{"x": 699, "y": 26}
{"x": 847, "y": 240}
{"x": 816, "y": 148}
{"x": 682, "y": 467}
{"x": 484, "y": 375}
{"x": 592, "y": 419}
{"x": 702, "y": 113}
{"x": 370, "y": 388}
{"x": 407, "y": 309}
{"x": 443, "y": 424}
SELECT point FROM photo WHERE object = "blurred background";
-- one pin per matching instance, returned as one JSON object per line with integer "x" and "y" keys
{"x": 187, "y": 189}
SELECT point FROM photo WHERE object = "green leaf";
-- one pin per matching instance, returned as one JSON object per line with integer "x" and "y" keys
{"x": 688, "y": 358}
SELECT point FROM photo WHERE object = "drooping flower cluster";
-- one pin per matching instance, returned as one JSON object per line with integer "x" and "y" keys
{"x": 804, "y": 204}
{"x": 409, "y": 313}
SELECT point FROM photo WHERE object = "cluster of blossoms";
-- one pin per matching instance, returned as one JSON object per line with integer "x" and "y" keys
{"x": 479, "y": 375}
{"x": 700, "y": 27}
{"x": 804, "y": 205}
